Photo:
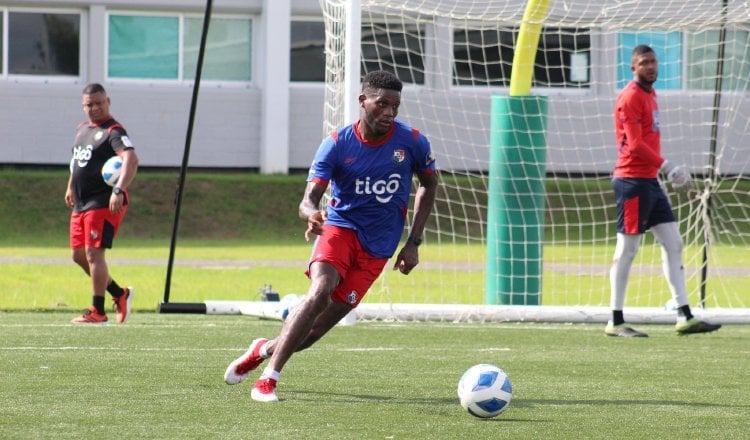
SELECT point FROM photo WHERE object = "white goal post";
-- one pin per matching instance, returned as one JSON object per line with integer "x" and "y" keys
{"x": 454, "y": 57}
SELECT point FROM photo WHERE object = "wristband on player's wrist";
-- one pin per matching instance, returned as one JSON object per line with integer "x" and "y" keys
{"x": 414, "y": 240}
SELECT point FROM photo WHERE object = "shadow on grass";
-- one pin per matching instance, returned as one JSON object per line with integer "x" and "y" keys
{"x": 315, "y": 396}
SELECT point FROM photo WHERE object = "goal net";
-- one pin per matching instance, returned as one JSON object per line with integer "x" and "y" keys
{"x": 454, "y": 57}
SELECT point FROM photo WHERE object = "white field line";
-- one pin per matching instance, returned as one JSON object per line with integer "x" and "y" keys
{"x": 88, "y": 348}
{"x": 192, "y": 349}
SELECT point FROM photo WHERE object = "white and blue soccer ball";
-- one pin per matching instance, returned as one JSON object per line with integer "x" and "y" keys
{"x": 287, "y": 304}
{"x": 111, "y": 170}
{"x": 485, "y": 391}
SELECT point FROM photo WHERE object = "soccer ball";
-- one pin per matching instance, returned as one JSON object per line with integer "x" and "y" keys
{"x": 287, "y": 304}
{"x": 484, "y": 391}
{"x": 111, "y": 170}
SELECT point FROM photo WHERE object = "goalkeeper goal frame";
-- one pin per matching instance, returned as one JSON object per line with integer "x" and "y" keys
{"x": 454, "y": 113}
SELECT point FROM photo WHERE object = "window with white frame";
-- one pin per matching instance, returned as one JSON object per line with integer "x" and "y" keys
{"x": 396, "y": 47}
{"x": 307, "y": 55}
{"x": 166, "y": 47}
{"x": 689, "y": 59}
{"x": 703, "y": 58}
{"x": 40, "y": 43}
{"x": 484, "y": 57}
{"x": 668, "y": 47}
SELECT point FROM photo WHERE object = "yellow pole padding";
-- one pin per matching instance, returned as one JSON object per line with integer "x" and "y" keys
{"x": 525, "y": 52}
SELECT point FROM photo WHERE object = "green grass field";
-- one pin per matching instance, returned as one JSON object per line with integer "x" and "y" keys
{"x": 44, "y": 277}
{"x": 161, "y": 376}
{"x": 247, "y": 227}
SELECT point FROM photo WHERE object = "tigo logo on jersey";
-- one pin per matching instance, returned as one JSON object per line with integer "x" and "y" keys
{"x": 382, "y": 189}
{"x": 82, "y": 155}
{"x": 399, "y": 156}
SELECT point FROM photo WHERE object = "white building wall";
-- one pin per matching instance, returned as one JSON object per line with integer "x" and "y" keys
{"x": 233, "y": 124}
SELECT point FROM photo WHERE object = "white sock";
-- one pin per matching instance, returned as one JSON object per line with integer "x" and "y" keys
{"x": 669, "y": 237}
{"x": 625, "y": 251}
{"x": 269, "y": 372}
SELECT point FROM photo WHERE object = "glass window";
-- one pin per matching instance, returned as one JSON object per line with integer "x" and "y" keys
{"x": 143, "y": 47}
{"x": 43, "y": 44}
{"x": 668, "y": 49}
{"x": 703, "y": 55}
{"x": 228, "y": 49}
{"x": 149, "y": 47}
{"x": 563, "y": 58}
{"x": 307, "y": 59}
{"x": 485, "y": 57}
{"x": 482, "y": 57}
{"x": 396, "y": 48}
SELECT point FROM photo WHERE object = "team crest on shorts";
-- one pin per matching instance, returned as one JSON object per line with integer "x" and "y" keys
{"x": 352, "y": 297}
{"x": 399, "y": 156}
{"x": 94, "y": 235}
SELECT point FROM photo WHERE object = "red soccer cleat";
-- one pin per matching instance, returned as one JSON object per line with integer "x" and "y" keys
{"x": 90, "y": 316}
{"x": 238, "y": 370}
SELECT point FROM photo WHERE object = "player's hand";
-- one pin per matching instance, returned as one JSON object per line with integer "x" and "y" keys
{"x": 407, "y": 259}
{"x": 315, "y": 224}
{"x": 70, "y": 199}
{"x": 678, "y": 176}
{"x": 116, "y": 203}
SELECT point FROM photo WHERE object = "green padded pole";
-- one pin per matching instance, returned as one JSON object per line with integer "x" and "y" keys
{"x": 515, "y": 206}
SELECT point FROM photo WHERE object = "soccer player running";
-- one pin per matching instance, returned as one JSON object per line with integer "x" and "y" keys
{"x": 641, "y": 201}
{"x": 98, "y": 208}
{"x": 369, "y": 165}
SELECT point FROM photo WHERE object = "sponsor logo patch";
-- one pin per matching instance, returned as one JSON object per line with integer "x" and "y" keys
{"x": 382, "y": 189}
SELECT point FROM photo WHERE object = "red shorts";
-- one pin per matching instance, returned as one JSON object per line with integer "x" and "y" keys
{"x": 358, "y": 269}
{"x": 94, "y": 228}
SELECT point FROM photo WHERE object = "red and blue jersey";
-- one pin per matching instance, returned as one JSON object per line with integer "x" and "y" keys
{"x": 371, "y": 183}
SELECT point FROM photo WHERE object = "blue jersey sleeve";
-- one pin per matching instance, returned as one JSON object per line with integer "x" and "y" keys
{"x": 424, "y": 161}
{"x": 324, "y": 161}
